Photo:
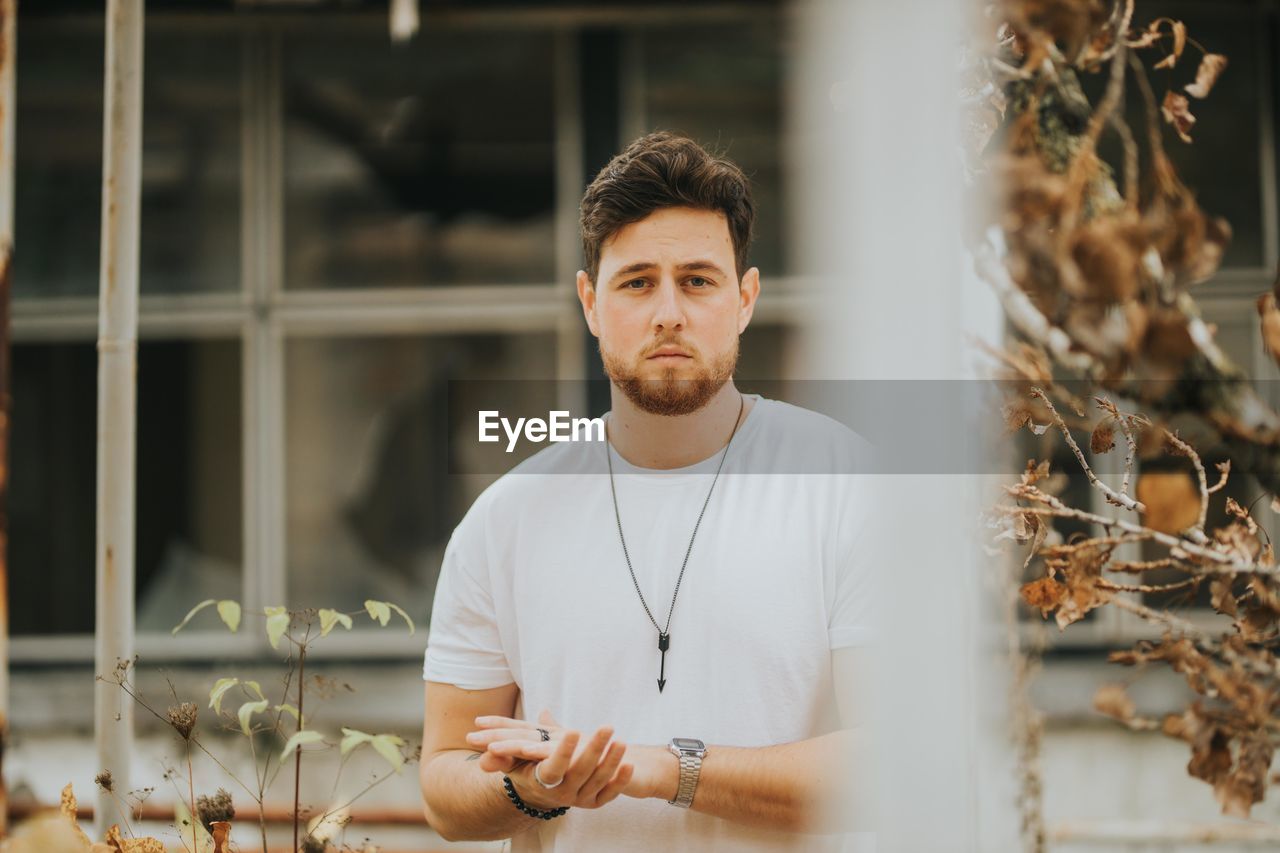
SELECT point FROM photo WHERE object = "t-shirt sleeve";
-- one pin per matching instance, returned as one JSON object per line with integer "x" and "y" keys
{"x": 464, "y": 647}
{"x": 850, "y": 600}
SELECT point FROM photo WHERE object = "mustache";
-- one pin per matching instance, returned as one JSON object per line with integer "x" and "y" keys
{"x": 669, "y": 342}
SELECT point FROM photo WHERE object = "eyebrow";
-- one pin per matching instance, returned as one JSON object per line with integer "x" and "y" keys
{"x": 688, "y": 266}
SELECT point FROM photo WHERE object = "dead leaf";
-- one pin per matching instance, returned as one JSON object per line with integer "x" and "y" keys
{"x": 120, "y": 844}
{"x": 1103, "y": 438}
{"x": 1179, "y": 43}
{"x": 1211, "y": 65}
{"x": 1035, "y": 472}
{"x": 1046, "y": 594}
{"x": 1247, "y": 784}
{"x": 1016, "y": 416}
{"x": 1176, "y": 110}
{"x": 1112, "y": 700}
{"x": 1239, "y": 540}
{"x": 1269, "y": 315}
{"x": 1172, "y": 500}
{"x": 1108, "y": 252}
{"x": 1220, "y": 596}
{"x": 220, "y": 829}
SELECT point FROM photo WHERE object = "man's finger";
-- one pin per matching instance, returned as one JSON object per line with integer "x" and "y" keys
{"x": 493, "y": 763}
{"x": 491, "y": 722}
{"x": 620, "y": 781}
{"x": 526, "y": 749}
{"x": 488, "y": 736}
{"x": 604, "y": 772}
{"x": 585, "y": 763}
{"x": 556, "y": 765}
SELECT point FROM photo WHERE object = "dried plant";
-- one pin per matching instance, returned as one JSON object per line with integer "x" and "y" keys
{"x": 1234, "y": 725}
{"x": 1095, "y": 265}
{"x": 204, "y": 822}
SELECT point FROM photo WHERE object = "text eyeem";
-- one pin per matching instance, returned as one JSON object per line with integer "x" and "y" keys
{"x": 558, "y": 426}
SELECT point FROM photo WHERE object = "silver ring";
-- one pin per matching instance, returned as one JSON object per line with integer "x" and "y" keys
{"x": 538, "y": 778}
{"x": 546, "y": 735}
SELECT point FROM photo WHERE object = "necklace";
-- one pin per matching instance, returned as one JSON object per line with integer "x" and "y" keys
{"x": 664, "y": 634}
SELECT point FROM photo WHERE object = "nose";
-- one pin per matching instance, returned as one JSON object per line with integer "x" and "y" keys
{"x": 668, "y": 311}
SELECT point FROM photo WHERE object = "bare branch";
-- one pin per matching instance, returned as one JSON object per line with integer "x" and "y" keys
{"x": 1113, "y": 497}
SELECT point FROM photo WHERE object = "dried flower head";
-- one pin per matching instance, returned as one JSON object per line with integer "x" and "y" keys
{"x": 104, "y": 780}
{"x": 215, "y": 808}
{"x": 183, "y": 718}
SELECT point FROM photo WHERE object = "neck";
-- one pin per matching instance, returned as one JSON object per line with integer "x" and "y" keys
{"x": 673, "y": 441}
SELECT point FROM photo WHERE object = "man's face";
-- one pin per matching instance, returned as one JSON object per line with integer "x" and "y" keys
{"x": 667, "y": 308}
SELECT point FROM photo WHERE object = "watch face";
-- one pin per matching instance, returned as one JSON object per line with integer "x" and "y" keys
{"x": 688, "y": 743}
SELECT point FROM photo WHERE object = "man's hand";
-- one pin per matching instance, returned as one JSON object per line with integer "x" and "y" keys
{"x": 583, "y": 777}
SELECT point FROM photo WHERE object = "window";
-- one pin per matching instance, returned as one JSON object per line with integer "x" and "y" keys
{"x": 337, "y": 236}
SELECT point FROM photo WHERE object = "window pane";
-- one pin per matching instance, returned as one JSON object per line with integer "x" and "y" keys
{"x": 58, "y": 165}
{"x": 430, "y": 163}
{"x": 722, "y": 86}
{"x": 370, "y": 500}
{"x": 191, "y": 162}
{"x": 188, "y": 541}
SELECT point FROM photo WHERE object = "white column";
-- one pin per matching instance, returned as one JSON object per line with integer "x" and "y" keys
{"x": 117, "y": 392}
{"x": 873, "y": 141}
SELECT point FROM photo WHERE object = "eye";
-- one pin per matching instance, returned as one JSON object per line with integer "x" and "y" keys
{"x": 629, "y": 285}
{"x": 699, "y": 281}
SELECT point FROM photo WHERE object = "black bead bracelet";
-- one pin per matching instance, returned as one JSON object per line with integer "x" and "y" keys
{"x": 544, "y": 814}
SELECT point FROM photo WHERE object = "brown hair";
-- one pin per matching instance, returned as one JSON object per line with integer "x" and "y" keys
{"x": 662, "y": 170}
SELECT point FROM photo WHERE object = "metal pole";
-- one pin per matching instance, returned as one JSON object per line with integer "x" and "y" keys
{"x": 8, "y": 106}
{"x": 117, "y": 392}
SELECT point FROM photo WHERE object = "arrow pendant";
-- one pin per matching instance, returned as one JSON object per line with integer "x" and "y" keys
{"x": 664, "y": 643}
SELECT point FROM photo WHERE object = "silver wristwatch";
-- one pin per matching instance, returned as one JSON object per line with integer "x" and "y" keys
{"x": 690, "y": 751}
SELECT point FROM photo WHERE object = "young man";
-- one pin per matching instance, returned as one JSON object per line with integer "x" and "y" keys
{"x": 683, "y": 633}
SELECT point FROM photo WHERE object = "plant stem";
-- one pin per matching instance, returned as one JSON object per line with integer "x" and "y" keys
{"x": 262, "y": 812}
{"x": 191, "y": 788}
{"x": 297, "y": 761}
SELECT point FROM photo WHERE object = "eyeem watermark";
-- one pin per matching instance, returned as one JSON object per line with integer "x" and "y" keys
{"x": 558, "y": 426}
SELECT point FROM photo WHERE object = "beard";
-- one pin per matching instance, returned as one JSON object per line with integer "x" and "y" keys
{"x": 668, "y": 395}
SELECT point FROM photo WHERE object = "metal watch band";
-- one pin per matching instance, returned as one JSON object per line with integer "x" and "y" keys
{"x": 690, "y": 766}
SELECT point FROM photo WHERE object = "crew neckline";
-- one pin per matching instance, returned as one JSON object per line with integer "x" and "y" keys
{"x": 704, "y": 466}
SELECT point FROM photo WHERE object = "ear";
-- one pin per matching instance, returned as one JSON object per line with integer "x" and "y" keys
{"x": 748, "y": 293}
{"x": 587, "y": 296}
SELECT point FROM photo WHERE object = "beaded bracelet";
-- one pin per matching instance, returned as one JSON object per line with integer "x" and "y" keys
{"x": 546, "y": 814}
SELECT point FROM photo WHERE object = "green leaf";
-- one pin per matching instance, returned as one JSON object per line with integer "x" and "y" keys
{"x": 230, "y": 612}
{"x": 255, "y": 687}
{"x": 290, "y": 710}
{"x": 247, "y": 710}
{"x": 220, "y": 687}
{"x": 329, "y": 618}
{"x": 201, "y": 606}
{"x": 399, "y": 610}
{"x": 388, "y": 746}
{"x": 278, "y": 620}
{"x": 298, "y": 739}
{"x": 351, "y": 738}
{"x": 378, "y": 610}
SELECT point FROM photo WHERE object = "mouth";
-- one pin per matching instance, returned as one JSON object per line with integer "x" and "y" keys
{"x": 669, "y": 353}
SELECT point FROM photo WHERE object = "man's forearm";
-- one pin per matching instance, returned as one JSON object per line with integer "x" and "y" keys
{"x": 806, "y": 786}
{"x": 465, "y": 803}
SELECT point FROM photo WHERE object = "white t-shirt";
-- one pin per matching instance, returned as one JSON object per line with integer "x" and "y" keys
{"x": 534, "y": 589}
